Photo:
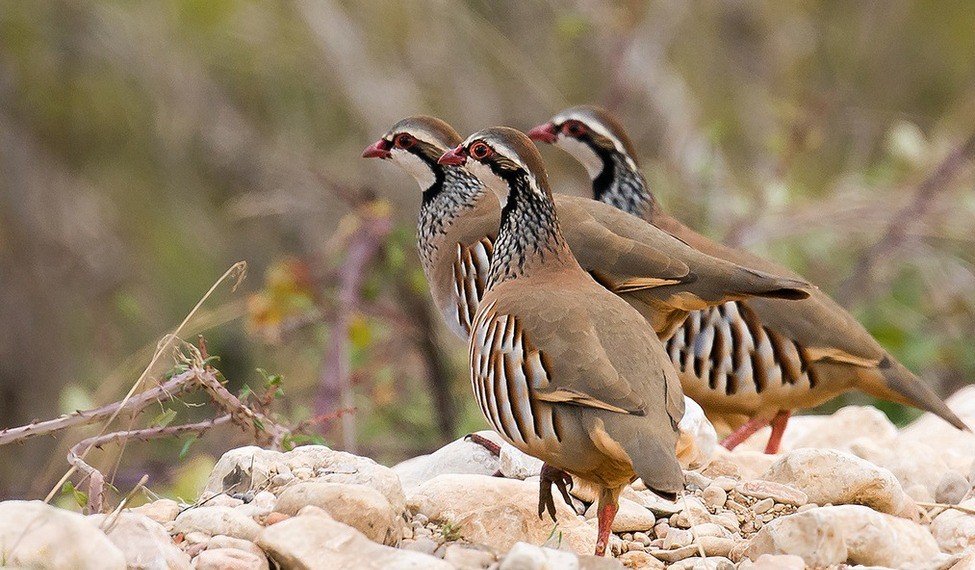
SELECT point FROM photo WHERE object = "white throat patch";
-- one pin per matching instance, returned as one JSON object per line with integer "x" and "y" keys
{"x": 581, "y": 152}
{"x": 415, "y": 166}
{"x": 491, "y": 180}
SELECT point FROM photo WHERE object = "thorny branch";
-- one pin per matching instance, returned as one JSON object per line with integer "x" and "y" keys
{"x": 96, "y": 481}
{"x": 171, "y": 388}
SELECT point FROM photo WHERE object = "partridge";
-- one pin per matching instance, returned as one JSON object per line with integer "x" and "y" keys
{"x": 760, "y": 358}
{"x": 561, "y": 367}
{"x": 660, "y": 276}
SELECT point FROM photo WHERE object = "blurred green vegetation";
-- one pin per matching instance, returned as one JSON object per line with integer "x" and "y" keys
{"x": 146, "y": 147}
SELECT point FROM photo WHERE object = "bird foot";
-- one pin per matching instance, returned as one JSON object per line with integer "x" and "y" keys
{"x": 547, "y": 478}
{"x": 486, "y": 443}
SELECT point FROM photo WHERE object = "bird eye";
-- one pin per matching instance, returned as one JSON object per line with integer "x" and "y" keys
{"x": 480, "y": 151}
{"x": 574, "y": 128}
{"x": 405, "y": 141}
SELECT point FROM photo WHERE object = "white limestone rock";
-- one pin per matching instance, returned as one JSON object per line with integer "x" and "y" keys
{"x": 318, "y": 542}
{"x": 459, "y": 456}
{"x": 144, "y": 542}
{"x": 37, "y": 535}
{"x": 358, "y": 506}
{"x": 829, "y": 476}
{"x": 851, "y": 534}
{"x": 498, "y": 512}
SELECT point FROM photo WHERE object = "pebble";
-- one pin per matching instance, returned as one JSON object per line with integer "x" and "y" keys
{"x": 642, "y": 538}
{"x": 725, "y": 483}
{"x": 763, "y": 505}
{"x": 778, "y": 492}
{"x": 423, "y": 544}
{"x": 641, "y": 561}
{"x": 677, "y": 538}
{"x": 693, "y": 479}
{"x": 714, "y": 496}
{"x": 466, "y": 557}
{"x": 952, "y": 488}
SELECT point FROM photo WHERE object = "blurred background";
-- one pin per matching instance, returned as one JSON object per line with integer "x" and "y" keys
{"x": 146, "y": 147}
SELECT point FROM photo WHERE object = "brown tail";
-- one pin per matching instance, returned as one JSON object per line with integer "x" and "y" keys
{"x": 761, "y": 284}
{"x": 903, "y": 386}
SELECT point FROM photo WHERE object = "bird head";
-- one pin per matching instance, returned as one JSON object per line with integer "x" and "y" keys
{"x": 414, "y": 144}
{"x": 501, "y": 157}
{"x": 590, "y": 134}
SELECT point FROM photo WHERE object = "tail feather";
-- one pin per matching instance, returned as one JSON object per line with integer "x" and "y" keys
{"x": 761, "y": 284}
{"x": 912, "y": 391}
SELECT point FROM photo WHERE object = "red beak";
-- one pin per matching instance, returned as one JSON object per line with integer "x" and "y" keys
{"x": 378, "y": 149}
{"x": 544, "y": 133}
{"x": 454, "y": 156}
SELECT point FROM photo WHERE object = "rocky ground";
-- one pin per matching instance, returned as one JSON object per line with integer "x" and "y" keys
{"x": 848, "y": 491}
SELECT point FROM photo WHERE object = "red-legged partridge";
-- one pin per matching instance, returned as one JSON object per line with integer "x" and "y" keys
{"x": 761, "y": 358}
{"x": 561, "y": 367}
{"x": 660, "y": 276}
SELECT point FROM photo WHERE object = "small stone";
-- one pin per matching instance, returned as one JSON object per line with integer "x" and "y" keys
{"x": 806, "y": 507}
{"x": 661, "y": 529}
{"x": 677, "y": 538}
{"x": 693, "y": 479}
{"x": 763, "y": 505}
{"x": 637, "y": 560}
{"x": 260, "y": 506}
{"x": 642, "y": 538}
{"x": 524, "y": 556}
{"x": 714, "y": 496}
{"x": 467, "y": 557}
{"x": 710, "y": 529}
{"x": 223, "y": 500}
{"x": 778, "y": 492}
{"x": 725, "y": 483}
{"x": 952, "y": 488}
{"x": 274, "y": 518}
{"x": 217, "y": 520}
{"x": 223, "y": 541}
{"x": 722, "y": 468}
{"x": 423, "y": 544}
{"x": 727, "y": 520}
{"x": 671, "y": 556}
{"x": 161, "y": 511}
{"x": 774, "y": 562}
{"x": 716, "y": 546}
{"x": 694, "y": 512}
{"x": 197, "y": 537}
{"x": 955, "y": 530}
{"x": 229, "y": 559}
{"x": 708, "y": 563}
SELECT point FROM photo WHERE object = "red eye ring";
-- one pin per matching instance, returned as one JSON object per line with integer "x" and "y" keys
{"x": 574, "y": 128}
{"x": 479, "y": 151}
{"x": 404, "y": 140}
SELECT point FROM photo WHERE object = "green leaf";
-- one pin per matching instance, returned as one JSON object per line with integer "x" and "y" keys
{"x": 244, "y": 392}
{"x": 258, "y": 424}
{"x": 164, "y": 419}
{"x": 270, "y": 379}
{"x": 186, "y": 447}
{"x": 80, "y": 497}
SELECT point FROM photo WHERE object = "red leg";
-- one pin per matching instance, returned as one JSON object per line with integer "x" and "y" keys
{"x": 606, "y": 514}
{"x": 744, "y": 432}
{"x": 486, "y": 443}
{"x": 779, "y": 422}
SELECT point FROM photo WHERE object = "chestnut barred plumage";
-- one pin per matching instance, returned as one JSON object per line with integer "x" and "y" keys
{"x": 760, "y": 358}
